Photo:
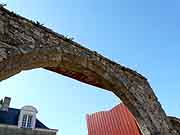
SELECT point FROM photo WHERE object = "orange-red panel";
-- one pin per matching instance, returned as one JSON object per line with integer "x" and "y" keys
{"x": 118, "y": 121}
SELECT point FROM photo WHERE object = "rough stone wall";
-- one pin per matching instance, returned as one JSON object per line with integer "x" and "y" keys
{"x": 20, "y": 131}
{"x": 25, "y": 45}
{"x": 176, "y": 123}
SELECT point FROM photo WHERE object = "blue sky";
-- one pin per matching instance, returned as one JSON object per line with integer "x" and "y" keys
{"x": 143, "y": 35}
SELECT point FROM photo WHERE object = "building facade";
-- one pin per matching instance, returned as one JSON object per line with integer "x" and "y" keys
{"x": 21, "y": 121}
{"x": 117, "y": 121}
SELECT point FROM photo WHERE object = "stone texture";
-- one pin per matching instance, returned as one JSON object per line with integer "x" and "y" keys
{"x": 25, "y": 45}
{"x": 176, "y": 123}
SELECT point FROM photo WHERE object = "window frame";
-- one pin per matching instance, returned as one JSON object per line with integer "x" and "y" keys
{"x": 27, "y": 117}
{"x": 27, "y": 121}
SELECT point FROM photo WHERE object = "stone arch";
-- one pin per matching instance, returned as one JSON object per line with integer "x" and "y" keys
{"x": 26, "y": 45}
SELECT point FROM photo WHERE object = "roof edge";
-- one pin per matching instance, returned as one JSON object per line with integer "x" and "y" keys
{"x": 36, "y": 129}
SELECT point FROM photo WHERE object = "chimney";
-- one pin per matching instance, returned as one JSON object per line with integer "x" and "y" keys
{"x": 6, "y": 104}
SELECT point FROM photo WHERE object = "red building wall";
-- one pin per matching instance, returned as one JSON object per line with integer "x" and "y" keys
{"x": 118, "y": 121}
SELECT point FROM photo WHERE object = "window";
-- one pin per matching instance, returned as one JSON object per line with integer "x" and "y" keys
{"x": 27, "y": 117}
{"x": 27, "y": 121}
{"x": 24, "y": 121}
